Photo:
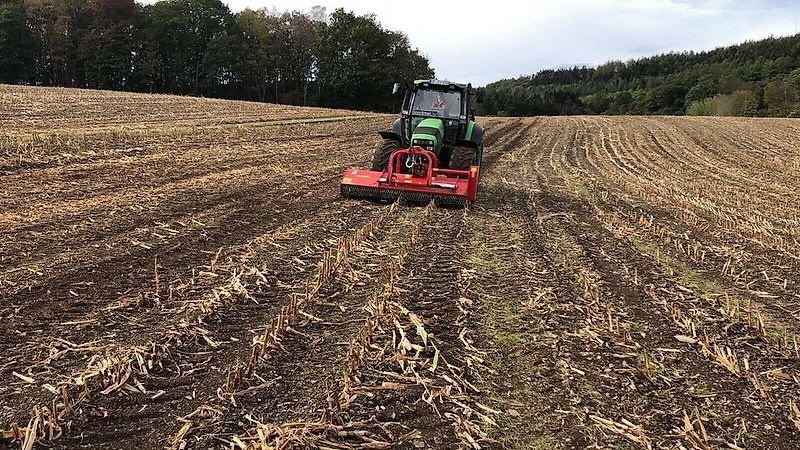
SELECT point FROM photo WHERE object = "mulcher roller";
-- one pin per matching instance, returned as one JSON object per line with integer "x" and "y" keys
{"x": 382, "y": 195}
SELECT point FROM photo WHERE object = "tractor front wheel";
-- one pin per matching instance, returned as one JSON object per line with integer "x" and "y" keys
{"x": 383, "y": 152}
{"x": 462, "y": 157}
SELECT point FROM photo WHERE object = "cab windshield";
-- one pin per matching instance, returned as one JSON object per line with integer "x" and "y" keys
{"x": 437, "y": 104}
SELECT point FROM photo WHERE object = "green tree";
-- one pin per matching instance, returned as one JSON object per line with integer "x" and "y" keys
{"x": 779, "y": 97}
{"x": 181, "y": 31}
{"x": 296, "y": 62}
{"x": 259, "y": 62}
{"x": 17, "y": 46}
{"x": 669, "y": 98}
{"x": 655, "y": 84}
{"x": 704, "y": 107}
{"x": 107, "y": 43}
{"x": 280, "y": 58}
{"x": 701, "y": 91}
{"x": 795, "y": 77}
{"x": 742, "y": 103}
{"x": 745, "y": 103}
{"x": 358, "y": 60}
{"x": 221, "y": 69}
{"x": 53, "y": 24}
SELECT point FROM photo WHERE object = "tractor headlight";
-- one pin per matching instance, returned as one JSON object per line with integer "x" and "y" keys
{"x": 427, "y": 145}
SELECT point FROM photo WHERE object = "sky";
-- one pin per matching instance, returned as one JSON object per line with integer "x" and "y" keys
{"x": 481, "y": 41}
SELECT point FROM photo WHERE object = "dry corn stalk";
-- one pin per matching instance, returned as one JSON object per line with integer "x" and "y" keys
{"x": 309, "y": 435}
{"x": 625, "y": 428}
{"x": 694, "y": 432}
{"x": 794, "y": 414}
{"x": 327, "y": 269}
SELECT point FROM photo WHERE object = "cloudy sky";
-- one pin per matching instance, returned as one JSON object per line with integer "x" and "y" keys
{"x": 483, "y": 41}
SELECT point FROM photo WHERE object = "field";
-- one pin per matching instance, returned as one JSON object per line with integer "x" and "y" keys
{"x": 181, "y": 273}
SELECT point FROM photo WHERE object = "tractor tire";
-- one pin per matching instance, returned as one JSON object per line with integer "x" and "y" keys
{"x": 383, "y": 152}
{"x": 462, "y": 157}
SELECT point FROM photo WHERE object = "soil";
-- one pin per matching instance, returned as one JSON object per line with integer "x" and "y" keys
{"x": 195, "y": 281}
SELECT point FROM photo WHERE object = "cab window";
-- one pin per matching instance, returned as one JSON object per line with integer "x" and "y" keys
{"x": 437, "y": 104}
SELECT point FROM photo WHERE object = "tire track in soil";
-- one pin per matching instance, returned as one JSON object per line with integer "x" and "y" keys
{"x": 427, "y": 282}
{"x": 102, "y": 238}
{"x": 590, "y": 246}
{"x": 149, "y": 310}
{"x": 775, "y": 293}
{"x": 436, "y": 297}
{"x": 309, "y": 190}
{"x": 199, "y": 369}
{"x": 92, "y": 185}
{"x": 524, "y": 305}
{"x": 39, "y": 150}
{"x": 752, "y": 278}
{"x": 430, "y": 287}
{"x": 495, "y": 135}
{"x": 501, "y": 142}
{"x": 171, "y": 266}
{"x": 551, "y": 289}
{"x": 309, "y": 367}
{"x": 198, "y": 155}
{"x": 51, "y": 299}
{"x": 732, "y": 180}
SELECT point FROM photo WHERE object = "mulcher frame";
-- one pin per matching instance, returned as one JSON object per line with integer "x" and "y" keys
{"x": 443, "y": 186}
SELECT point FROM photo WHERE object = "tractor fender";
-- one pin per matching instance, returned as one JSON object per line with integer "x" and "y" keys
{"x": 476, "y": 135}
{"x": 390, "y": 135}
{"x": 474, "y": 139}
{"x": 397, "y": 127}
{"x": 396, "y": 133}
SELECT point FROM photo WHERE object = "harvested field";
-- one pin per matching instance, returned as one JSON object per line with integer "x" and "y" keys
{"x": 181, "y": 273}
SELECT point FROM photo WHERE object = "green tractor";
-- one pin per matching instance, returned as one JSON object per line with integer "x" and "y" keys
{"x": 432, "y": 153}
{"x": 437, "y": 116}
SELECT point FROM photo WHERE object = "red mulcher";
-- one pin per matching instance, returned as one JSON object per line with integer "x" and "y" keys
{"x": 413, "y": 174}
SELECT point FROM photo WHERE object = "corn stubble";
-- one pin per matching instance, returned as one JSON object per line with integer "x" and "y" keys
{"x": 623, "y": 282}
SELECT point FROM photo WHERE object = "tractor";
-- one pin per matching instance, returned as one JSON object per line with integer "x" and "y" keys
{"x": 432, "y": 152}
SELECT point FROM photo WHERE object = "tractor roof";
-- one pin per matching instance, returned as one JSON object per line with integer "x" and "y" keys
{"x": 439, "y": 83}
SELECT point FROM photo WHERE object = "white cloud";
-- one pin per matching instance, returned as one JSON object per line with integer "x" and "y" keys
{"x": 482, "y": 41}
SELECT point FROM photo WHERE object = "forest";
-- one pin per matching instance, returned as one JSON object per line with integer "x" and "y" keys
{"x": 201, "y": 48}
{"x": 343, "y": 60}
{"x": 760, "y": 78}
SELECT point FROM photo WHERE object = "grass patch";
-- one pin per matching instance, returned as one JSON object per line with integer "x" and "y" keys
{"x": 683, "y": 272}
{"x": 484, "y": 259}
{"x": 505, "y": 328}
{"x": 509, "y": 342}
{"x": 540, "y": 442}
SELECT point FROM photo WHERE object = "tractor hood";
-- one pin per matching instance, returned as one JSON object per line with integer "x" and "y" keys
{"x": 429, "y": 134}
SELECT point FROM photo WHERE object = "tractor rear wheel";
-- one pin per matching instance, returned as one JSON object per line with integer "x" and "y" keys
{"x": 462, "y": 157}
{"x": 383, "y": 152}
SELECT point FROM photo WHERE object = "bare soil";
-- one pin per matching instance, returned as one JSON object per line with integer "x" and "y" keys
{"x": 181, "y": 273}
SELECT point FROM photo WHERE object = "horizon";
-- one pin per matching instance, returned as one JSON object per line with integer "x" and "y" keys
{"x": 510, "y": 40}
{"x": 654, "y": 55}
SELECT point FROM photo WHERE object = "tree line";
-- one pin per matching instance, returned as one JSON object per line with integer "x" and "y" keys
{"x": 760, "y": 78}
{"x": 201, "y": 48}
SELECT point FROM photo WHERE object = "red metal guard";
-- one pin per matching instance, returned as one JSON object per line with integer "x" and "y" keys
{"x": 438, "y": 184}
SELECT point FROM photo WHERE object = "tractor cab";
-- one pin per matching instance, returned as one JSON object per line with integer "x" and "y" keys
{"x": 437, "y": 115}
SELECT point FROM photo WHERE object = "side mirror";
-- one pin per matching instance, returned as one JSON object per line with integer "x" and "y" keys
{"x": 396, "y": 89}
